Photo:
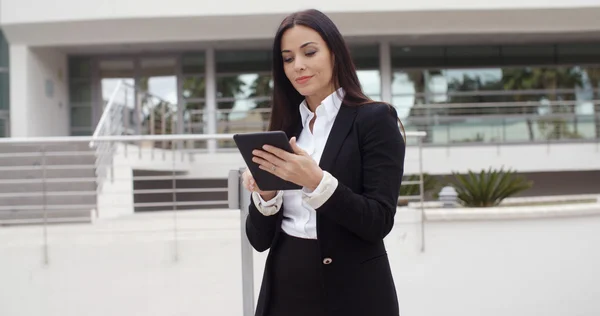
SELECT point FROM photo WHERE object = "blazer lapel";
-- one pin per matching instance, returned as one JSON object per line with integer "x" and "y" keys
{"x": 341, "y": 126}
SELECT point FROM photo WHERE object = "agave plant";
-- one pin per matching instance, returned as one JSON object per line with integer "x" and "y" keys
{"x": 488, "y": 188}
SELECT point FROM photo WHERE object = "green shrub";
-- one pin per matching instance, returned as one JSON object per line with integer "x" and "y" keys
{"x": 488, "y": 188}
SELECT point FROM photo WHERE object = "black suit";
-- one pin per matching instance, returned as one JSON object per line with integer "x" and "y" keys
{"x": 365, "y": 152}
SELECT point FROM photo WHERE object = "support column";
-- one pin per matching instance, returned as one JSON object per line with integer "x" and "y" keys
{"x": 39, "y": 97}
{"x": 210, "y": 106}
{"x": 385, "y": 68}
{"x": 19, "y": 105}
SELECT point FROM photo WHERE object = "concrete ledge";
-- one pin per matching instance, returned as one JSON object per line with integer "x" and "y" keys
{"x": 502, "y": 213}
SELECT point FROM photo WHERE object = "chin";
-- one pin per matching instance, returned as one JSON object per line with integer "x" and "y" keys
{"x": 305, "y": 91}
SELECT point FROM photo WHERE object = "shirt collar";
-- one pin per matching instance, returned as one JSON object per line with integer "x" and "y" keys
{"x": 331, "y": 105}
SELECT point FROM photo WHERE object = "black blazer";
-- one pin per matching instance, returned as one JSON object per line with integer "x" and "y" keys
{"x": 365, "y": 152}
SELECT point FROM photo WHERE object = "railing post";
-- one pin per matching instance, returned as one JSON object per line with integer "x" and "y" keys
{"x": 238, "y": 197}
{"x": 45, "y": 204}
{"x": 422, "y": 189}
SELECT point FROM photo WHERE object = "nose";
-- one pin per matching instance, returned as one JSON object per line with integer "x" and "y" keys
{"x": 299, "y": 64}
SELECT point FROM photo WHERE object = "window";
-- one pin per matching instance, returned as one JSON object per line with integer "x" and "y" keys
{"x": 4, "y": 86}
{"x": 244, "y": 87}
{"x": 80, "y": 96}
{"x": 366, "y": 60}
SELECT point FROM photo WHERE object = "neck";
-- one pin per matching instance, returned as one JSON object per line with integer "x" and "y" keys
{"x": 313, "y": 101}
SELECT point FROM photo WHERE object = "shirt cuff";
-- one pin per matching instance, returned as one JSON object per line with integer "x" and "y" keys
{"x": 270, "y": 207}
{"x": 322, "y": 193}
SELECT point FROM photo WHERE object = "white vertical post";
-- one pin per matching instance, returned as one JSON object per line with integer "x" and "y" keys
{"x": 210, "y": 106}
{"x": 385, "y": 68}
{"x": 238, "y": 197}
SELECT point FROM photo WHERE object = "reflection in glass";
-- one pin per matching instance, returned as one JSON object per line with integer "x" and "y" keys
{"x": 193, "y": 63}
{"x": 3, "y": 51}
{"x": 543, "y": 100}
{"x": 194, "y": 87}
{"x": 4, "y": 91}
{"x": 370, "y": 80}
{"x": 3, "y": 126}
{"x": 80, "y": 96}
{"x": 81, "y": 116}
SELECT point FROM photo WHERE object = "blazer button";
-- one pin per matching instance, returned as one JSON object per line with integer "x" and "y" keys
{"x": 327, "y": 261}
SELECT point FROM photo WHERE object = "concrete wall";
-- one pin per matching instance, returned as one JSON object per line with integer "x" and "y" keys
{"x": 38, "y": 92}
{"x": 491, "y": 264}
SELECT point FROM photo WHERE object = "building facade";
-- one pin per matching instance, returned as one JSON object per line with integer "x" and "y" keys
{"x": 469, "y": 73}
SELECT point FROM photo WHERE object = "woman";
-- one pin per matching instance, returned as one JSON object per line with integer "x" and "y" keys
{"x": 327, "y": 255}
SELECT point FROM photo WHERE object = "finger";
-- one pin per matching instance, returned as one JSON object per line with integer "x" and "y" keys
{"x": 273, "y": 159}
{"x": 296, "y": 148}
{"x": 277, "y": 152}
{"x": 263, "y": 162}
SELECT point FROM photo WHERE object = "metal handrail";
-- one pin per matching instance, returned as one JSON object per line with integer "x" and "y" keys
{"x": 104, "y": 119}
{"x": 137, "y": 138}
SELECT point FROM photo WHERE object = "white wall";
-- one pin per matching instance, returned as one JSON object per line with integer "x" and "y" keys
{"x": 71, "y": 22}
{"x": 38, "y": 92}
{"x": 537, "y": 266}
{"x": 444, "y": 160}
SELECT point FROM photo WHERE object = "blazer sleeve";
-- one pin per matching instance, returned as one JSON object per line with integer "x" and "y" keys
{"x": 370, "y": 215}
{"x": 260, "y": 229}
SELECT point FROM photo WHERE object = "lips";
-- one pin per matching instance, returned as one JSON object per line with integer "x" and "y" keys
{"x": 303, "y": 79}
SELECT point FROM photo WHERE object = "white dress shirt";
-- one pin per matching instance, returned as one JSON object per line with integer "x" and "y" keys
{"x": 299, "y": 215}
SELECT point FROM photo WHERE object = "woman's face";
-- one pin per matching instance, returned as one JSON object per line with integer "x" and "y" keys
{"x": 307, "y": 62}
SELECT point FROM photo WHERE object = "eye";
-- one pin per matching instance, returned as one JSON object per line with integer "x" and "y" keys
{"x": 310, "y": 54}
{"x": 287, "y": 60}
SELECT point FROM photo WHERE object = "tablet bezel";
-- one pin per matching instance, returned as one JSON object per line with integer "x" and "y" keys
{"x": 247, "y": 142}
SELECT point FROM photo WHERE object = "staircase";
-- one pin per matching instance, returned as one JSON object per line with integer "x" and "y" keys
{"x": 188, "y": 194}
{"x": 56, "y": 184}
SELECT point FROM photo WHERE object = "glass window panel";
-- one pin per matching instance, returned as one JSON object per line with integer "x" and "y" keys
{"x": 365, "y": 57}
{"x": 193, "y": 63}
{"x": 578, "y": 53}
{"x": 194, "y": 88}
{"x": 81, "y": 116}
{"x": 472, "y": 56}
{"x": 117, "y": 68}
{"x": 158, "y": 66}
{"x": 158, "y": 77}
{"x": 80, "y": 91}
{"x": 528, "y": 54}
{"x": 243, "y": 61}
{"x": 3, "y": 51}
{"x": 370, "y": 80}
{"x": 78, "y": 131}
{"x": 241, "y": 116}
{"x": 236, "y": 86}
{"x": 418, "y": 56}
{"x": 80, "y": 67}
{"x": 4, "y": 91}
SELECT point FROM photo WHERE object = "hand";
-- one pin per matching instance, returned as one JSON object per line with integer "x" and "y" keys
{"x": 250, "y": 185}
{"x": 297, "y": 167}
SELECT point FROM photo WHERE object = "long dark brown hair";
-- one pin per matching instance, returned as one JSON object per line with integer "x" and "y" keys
{"x": 284, "y": 110}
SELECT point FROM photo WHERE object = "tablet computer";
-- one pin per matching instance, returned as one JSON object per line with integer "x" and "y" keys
{"x": 248, "y": 142}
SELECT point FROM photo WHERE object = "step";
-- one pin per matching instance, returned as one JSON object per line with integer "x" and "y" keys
{"x": 37, "y": 216}
{"x": 63, "y": 158}
{"x": 53, "y": 172}
{"x": 140, "y": 184}
{"x": 181, "y": 208}
{"x": 73, "y": 186}
{"x": 47, "y": 147}
{"x": 39, "y": 200}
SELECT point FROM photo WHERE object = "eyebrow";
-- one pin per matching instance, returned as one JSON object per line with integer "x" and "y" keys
{"x": 301, "y": 46}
